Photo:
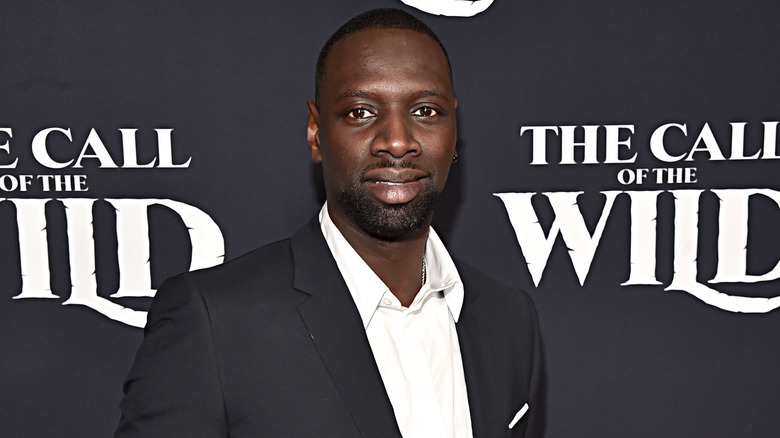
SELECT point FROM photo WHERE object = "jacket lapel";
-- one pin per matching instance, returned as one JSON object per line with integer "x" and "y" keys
{"x": 337, "y": 331}
{"x": 477, "y": 349}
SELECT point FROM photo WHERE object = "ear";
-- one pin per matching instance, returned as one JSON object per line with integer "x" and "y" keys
{"x": 313, "y": 132}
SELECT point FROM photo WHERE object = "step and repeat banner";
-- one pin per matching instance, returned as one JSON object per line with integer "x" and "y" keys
{"x": 618, "y": 161}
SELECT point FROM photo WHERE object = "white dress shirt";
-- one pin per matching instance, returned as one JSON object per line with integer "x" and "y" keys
{"x": 416, "y": 348}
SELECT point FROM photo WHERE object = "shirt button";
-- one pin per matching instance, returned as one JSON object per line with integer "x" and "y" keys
{"x": 386, "y": 301}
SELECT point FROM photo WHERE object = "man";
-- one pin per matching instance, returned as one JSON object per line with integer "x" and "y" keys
{"x": 360, "y": 325}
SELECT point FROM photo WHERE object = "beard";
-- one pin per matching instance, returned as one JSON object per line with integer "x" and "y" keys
{"x": 389, "y": 221}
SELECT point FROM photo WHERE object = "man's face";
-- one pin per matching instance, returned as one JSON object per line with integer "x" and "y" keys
{"x": 385, "y": 130}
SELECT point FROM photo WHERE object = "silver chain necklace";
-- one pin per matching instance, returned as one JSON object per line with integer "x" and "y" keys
{"x": 424, "y": 273}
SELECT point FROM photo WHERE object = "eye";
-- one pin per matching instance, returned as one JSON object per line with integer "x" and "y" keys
{"x": 425, "y": 111}
{"x": 360, "y": 113}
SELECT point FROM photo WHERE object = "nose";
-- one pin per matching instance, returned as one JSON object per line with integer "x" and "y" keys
{"x": 395, "y": 136}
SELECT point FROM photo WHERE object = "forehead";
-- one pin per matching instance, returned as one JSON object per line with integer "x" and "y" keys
{"x": 393, "y": 56}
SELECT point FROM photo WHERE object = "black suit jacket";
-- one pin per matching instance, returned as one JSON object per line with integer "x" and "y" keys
{"x": 271, "y": 344}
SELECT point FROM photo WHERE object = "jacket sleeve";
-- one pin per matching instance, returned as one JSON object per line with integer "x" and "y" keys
{"x": 173, "y": 388}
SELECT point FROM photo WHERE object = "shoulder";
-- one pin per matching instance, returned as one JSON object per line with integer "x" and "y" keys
{"x": 271, "y": 261}
{"x": 501, "y": 301}
{"x": 260, "y": 279}
{"x": 256, "y": 275}
{"x": 480, "y": 283}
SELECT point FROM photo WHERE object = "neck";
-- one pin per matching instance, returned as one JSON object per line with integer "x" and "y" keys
{"x": 398, "y": 262}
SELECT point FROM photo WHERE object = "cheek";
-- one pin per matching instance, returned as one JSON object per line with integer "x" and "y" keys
{"x": 441, "y": 138}
{"x": 443, "y": 172}
{"x": 440, "y": 148}
{"x": 343, "y": 163}
{"x": 347, "y": 145}
{"x": 440, "y": 151}
{"x": 441, "y": 163}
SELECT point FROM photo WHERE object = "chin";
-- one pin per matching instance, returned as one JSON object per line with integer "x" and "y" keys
{"x": 389, "y": 221}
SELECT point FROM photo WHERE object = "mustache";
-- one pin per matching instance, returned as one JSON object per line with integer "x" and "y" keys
{"x": 391, "y": 164}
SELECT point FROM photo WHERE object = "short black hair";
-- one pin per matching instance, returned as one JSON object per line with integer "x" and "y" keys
{"x": 382, "y": 18}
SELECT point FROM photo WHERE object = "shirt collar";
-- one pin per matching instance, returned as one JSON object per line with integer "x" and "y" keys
{"x": 367, "y": 289}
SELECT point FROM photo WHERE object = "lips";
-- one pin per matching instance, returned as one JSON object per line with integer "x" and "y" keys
{"x": 394, "y": 186}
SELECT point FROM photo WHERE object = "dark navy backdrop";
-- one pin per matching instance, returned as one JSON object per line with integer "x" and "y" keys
{"x": 232, "y": 78}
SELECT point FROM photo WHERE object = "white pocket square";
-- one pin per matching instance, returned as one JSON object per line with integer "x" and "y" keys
{"x": 518, "y": 415}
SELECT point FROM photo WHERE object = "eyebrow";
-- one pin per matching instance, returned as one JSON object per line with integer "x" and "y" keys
{"x": 362, "y": 93}
{"x": 353, "y": 93}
